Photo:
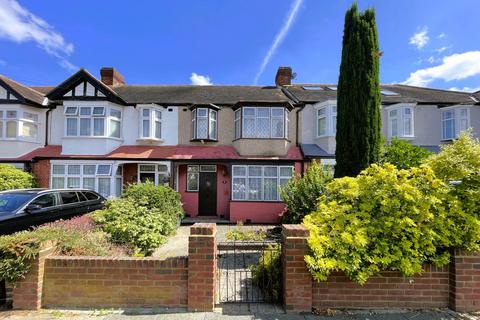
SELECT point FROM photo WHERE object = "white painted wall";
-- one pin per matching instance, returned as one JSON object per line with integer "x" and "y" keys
{"x": 16, "y": 148}
{"x": 427, "y": 126}
{"x": 100, "y": 145}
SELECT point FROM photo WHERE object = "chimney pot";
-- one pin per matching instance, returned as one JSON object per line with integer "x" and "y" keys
{"x": 111, "y": 77}
{"x": 284, "y": 76}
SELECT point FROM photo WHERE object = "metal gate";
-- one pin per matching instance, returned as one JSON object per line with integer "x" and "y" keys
{"x": 249, "y": 271}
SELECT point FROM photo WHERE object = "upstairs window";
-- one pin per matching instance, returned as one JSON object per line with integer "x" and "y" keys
{"x": 204, "y": 124}
{"x": 18, "y": 125}
{"x": 327, "y": 121}
{"x": 454, "y": 121}
{"x": 261, "y": 122}
{"x": 92, "y": 122}
{"x": 400, "y": 122}
{"x": 151, "y": 124}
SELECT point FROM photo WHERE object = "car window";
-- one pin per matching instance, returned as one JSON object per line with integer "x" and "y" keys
{"x": 12, "y": 201}
{"x": 45, "y": 201}
{"x": 68, "y": 197}
{"x": 91, "y": 195}
{"x": 81, "y": 196}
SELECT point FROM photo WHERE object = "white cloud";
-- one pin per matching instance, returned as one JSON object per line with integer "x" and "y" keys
{"x": 420, "y": 39}
{"x": 465, "y": 89}
{"x": 279, "y": 38}
{"x": 441, "y": 35}
{"x": 200, "y": 80}
{"x": 432, "y": 59}
{"x": 454, "y": 67}
{"x": 440, "y": 50}
{"x": 20, "y": 25}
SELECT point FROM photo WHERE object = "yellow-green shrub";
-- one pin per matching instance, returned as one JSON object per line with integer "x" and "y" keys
{"x": 384, "y": 219}
{"x": 14, "y": 178}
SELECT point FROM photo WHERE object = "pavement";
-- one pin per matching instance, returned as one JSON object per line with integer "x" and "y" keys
{"x": 229, "y": 314}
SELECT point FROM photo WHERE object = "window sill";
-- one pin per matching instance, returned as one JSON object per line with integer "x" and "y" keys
{"x": 402, "y": 138}
{"x": 86, "y": 137}
{"x": 17, "y": 140}
{"x": 326, "y": 136}
{"x": 285, "y": 139}
{"x": 151, "y": 140}
{"x": 203, "y": 140}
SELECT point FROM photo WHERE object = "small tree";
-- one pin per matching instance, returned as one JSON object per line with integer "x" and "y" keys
{"x": 14, "y": 178}
{"x": 358, "y": 96}
{"x": 403, "y": 154}
{"x": 300, "y": 194}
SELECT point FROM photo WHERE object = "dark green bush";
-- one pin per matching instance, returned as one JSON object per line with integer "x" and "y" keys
{"x": 150, "y": 196}
{"x": 13, "y": 178}
{"x": 300, "y": 194}
{"x": 267, "y": 274}
{"x": 403, "y": 154}
{"x": 143, "y": 218}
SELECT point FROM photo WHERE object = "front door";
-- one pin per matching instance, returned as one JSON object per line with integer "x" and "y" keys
{"x": 207, "y": 194}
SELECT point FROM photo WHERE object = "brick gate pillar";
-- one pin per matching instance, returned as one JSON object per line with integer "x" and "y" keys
{"x": 297, "y": 281}
{"x": 465, "y": 281}
{"x": 202, "y": 267}
{"x": 27, "y": 292}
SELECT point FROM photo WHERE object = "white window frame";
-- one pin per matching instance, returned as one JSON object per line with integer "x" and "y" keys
{"x": 211, "y": 116}
{"x": 105, "y": 115}
{"x": 197, "y": 175}
{"x": 457, "y": 119}
{"x": 401, "y": 119}
{"x": 157, "y": 171}
{"x": 330, "y": 116}
{"x": 19, "y": 120}
{"x": 280, "y": 178}
{"x": 240, "y": 124}
{"x": 82, "y": 175}
{"x": 153, "y": 121}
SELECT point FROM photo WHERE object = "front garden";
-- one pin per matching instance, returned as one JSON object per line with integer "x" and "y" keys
{"x": 134, "y": 225}
{"x": 388, "y": 218}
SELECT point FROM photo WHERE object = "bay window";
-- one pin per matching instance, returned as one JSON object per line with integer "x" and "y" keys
{"x": 18, "y": 125}
{"x": 151, "y": 124}
{"x": 400, "y": 122}
{"x": 92, "y": 122}
{"x": 261, "y": 122}
{"x": 326, "y": 121}
{"x": 454, "y": 121}
{"x": 204, "y": 124}
{"x": 91, "y": 176}
{"x": 259, "y": 183}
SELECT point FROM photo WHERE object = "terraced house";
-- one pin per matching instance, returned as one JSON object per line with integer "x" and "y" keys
{"x": 226, "y": 149}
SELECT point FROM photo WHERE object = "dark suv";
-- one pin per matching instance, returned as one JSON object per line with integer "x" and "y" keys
{"x": 21, "y": 209}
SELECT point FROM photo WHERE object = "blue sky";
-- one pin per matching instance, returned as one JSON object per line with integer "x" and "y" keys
{"x": 427, "y": 43}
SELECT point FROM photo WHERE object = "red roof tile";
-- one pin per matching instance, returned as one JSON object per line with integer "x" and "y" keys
{"x": 161, "y": 152}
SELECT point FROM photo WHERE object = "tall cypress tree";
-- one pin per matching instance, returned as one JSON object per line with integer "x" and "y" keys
{"x": 358, "y": 95}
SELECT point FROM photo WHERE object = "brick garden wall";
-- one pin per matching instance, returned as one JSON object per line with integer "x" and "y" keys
{"x": 456, "y": 285}
{"x": 389, "y": 290}
{"x": 123, "y": 282}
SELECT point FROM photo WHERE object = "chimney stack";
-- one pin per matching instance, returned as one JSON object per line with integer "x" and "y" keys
{"x": 284, "y": 76}
{"x": 111, "y": 77}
